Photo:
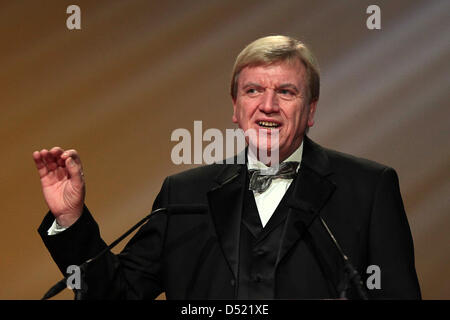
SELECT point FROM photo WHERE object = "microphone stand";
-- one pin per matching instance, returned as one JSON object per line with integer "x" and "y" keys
{"x": 79, "y": 293}
{"x": 352, "y": 276}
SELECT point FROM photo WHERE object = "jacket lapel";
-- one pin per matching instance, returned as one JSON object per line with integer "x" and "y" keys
{"x": 225, "y": 204}
{"x": 312, "y": 190}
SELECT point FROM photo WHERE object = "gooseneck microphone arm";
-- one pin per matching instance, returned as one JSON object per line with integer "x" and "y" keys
{"x": 353, "y": 275}
{"x": 62, "y": 284}
{"x": 170, "y": 209}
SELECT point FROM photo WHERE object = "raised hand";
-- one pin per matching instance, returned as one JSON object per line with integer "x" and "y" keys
{"x": 62, "y": 182}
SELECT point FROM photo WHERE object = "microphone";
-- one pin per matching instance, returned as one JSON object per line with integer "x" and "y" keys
{"x": 353, "y": 275}
{"x": 170, "y": 209}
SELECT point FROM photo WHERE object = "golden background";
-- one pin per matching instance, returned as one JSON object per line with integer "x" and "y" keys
{"x": 137, "y": 70}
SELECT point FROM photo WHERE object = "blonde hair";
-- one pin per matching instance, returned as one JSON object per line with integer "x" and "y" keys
{"x": 273, "y": 49}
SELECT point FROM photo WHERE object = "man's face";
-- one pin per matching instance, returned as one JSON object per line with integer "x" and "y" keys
{"x": 273, "y": 97}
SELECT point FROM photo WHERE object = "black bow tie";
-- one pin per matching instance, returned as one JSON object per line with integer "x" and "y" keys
{"x": 260, "y": 180}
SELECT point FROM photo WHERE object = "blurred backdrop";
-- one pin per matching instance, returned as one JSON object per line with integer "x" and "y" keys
{"x": 139, "y": 69}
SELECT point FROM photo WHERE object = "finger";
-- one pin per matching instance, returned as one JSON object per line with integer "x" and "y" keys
{"x": 56, "y": 153}
{"x": 73, "y": 154}
{"x": 46, "y": 159}
{"x": 75, "y": 172}
{"x": 40, "y": 165}
{"x": 44, "y": 153}
{"x": 50, "y": 161}
{"x": 61, "y": 162}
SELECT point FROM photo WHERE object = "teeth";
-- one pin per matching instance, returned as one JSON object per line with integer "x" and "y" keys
{"x": 268, "y": 124}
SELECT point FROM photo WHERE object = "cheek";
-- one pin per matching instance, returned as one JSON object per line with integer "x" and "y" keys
{"x": 295, "y": 119}
{"x": 243, "y": 112}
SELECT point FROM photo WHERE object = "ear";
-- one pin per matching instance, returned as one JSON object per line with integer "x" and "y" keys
{"x": 234, "y": 118}
{"x": 311, "y": 113}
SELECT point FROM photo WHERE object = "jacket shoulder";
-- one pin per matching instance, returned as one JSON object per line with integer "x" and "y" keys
{"x": 341, "y": 161}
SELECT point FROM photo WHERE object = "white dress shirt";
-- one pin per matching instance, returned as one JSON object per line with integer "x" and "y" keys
{"x": 269, "y": 200}
{"x": 55, "y": 229}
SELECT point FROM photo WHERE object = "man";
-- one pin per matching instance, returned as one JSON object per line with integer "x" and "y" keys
{"x": 260, "y": 237}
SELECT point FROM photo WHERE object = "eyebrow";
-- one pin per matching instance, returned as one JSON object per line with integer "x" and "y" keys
{"x": 288, "y": 85}
{"x": 281, "y": 86}
{"x": 251, "y": 84}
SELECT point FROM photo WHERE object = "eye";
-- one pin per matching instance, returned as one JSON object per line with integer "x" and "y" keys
{"x": 287, "y": 94}
{"x": 253, "y": 91}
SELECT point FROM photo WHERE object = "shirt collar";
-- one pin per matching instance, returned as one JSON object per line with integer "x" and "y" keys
{"x": 296, "y": 156}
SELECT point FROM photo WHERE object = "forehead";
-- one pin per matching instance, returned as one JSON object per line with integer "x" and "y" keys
{"x": 274, "y": 74}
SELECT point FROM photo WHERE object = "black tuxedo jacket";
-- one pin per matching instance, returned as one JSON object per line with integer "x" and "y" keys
{"x": 196, "y": 255}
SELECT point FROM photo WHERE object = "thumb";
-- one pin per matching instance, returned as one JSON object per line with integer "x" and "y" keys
{"x": 75, "y": 172}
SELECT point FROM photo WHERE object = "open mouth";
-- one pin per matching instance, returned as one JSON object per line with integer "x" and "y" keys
{"x": 268, "y": 124}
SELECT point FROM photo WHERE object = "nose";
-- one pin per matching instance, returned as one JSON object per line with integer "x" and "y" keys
{"x": 269, "y": 102}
